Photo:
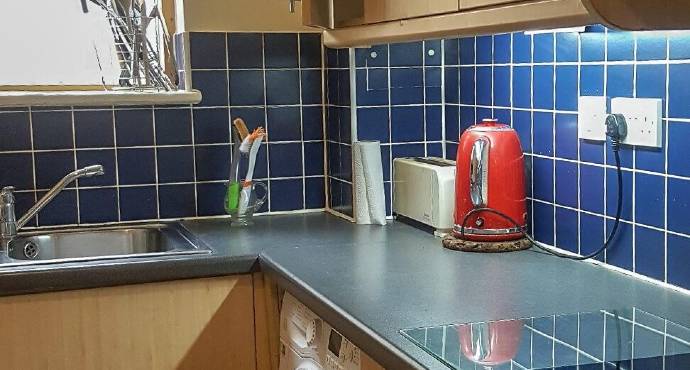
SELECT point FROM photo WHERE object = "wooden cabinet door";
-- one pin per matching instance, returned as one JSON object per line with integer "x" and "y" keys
{"x": 469, "y": 4}
{"x": 187, "y": 324}
{"x": 389, "y": 10}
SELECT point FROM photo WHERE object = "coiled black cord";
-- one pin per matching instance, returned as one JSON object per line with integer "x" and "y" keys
{"x": 550, "y": 250}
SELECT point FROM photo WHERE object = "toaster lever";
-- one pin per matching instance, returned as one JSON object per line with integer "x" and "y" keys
{"x": 479, "y": 171}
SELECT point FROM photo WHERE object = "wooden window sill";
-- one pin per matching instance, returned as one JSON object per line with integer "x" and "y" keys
{"x": 97, "y": 98}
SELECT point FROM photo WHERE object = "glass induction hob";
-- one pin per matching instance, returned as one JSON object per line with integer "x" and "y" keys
{"x": 629, "y": 339}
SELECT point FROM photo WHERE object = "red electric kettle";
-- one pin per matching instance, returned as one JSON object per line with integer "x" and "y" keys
{"x": 490, "y": 184}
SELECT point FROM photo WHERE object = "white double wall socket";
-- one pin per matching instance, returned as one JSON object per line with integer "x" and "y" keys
{"x": 591, "y": 117}
{"x": 643, "y": 117}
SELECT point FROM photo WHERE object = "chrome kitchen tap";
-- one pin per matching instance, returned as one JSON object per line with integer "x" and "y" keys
{"x": 8, "y": 220}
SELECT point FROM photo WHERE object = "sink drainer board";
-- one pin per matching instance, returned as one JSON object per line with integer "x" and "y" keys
{"x": 610, "y": 339}
{"x": 104, "y": 243}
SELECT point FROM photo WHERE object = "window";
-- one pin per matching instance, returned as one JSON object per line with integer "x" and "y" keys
{"x": 84, "y": 44}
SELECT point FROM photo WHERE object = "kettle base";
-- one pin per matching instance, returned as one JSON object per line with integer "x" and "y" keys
{"x": 457, "y": 244}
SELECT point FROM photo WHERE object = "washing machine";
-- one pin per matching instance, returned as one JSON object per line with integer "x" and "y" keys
{"x": 309, "y": 343}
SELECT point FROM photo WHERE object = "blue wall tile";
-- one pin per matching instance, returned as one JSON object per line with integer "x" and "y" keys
{"x": 209, "y": 159}
{"x": 678, "y": 205}
{"x": 313, "y": 158}
{"x": 522, "y": 48}
{"x": 62, "y": 210}
{"x": 543, "y": 179}
{"x": 592, "y": 46}
{"x": 502, "y": 48}
{"x": 567, "y": 47}
{"x": 678, "y": 92}
{"x": 678, "y": 46}
{"x": 16, "y": 131}
{"x": 136, "y": 166}
{"x": 139, "y": 203}
{"x": 134, "y": 127}
{"x": 104, "y": 157}
{"x": 93, "y": 129}
{"x": 406, "y": 54}
{"x": 543, "y": 222}
{"x": 620, "y": 46}
{"x": 484, "y": 86}
{"x": 543, "y": 133}
{"x": 252, "y": 87}
{"x": 567, "y": 229}
{"x": 566, "y": 183}
{"x": 173, "y": 126}
{"x": 566, "y": 88}
{"x": 51, "y": 167}
{"x": 651, "y": 46}
{"x": 310, "y": 50}
{"x": 98, "y": 205}
{"x": 592, "y": 80}
{"x": 522, "y": 123}
{"x": 619, "y": 81}
{"x": 501, "y": 85}
{"x": 592, "y": 188}
{"x": 543, "y": 87}
{"x": 467, "y": 95}
{"x": 52, "y": 130}
{"x": 522, "y": 87}
{"x": 285, "y": 160}
{"x": 213, "y": 86}
{"x": 314, "y": 191}
{"x": 282, "y": 87}
{"x": 280, "y": 50}
{"x": 678, "y": 150}
{"x": 207, "y": 50}
{"x": 312, "y": 123}
{"x": 176, "y": 201}
{"x": 451, "y": 51}
{"x": 175, "y": 164}
{"x": 649, "y": 200}
{"x": 484, "y": 49}
{"x": 284, "y": 124}
{"x": 651, "y": 81}
{"x": 290, "y": 198}
{"x": 620, "y": 251}
{"x": 591, "y": 233}
{"x": 407, "y": 124}
{"x": 678, "y": 256}
{"x": 17, "y": 170}
{"x": 649, "y": 252}
{"x": 566, "y": 135}
{"x": 467, "y": 50}
{"x": 612, "y": 194}
{"x": 208, "y": 196}
{"x": 211, "y": 126}
{"x": 372, "y": 124}
{"x": 543, "y": 47}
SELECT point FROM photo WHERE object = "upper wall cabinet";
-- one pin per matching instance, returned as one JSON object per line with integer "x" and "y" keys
{"x": 367, "y": 22}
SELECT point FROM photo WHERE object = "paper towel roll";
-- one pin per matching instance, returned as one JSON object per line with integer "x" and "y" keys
{"x": 370, "y": 199}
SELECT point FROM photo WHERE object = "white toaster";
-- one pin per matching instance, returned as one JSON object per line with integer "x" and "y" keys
{"x": 424, "y": 190}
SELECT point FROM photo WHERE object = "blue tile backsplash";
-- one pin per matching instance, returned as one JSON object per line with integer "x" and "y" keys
{"x": 166, "y": 162}
{"x": 573, "y": 188}
{"x": 417, "y": 98}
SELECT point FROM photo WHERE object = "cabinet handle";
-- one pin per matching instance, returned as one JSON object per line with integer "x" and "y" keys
{"x": 291, "y": 5}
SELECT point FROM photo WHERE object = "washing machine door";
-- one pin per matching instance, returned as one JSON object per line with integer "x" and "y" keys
{"x": 291, "y": 360}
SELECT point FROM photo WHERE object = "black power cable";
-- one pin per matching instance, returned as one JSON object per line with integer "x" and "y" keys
{"x": 616, "y": 129}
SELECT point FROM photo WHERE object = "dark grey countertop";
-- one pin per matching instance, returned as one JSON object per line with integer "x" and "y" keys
{"x": 371, "y": 281}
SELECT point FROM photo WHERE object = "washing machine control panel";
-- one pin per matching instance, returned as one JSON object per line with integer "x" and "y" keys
{"x": 340, "y": 353}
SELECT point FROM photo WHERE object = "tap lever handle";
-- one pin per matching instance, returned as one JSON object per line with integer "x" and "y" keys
{"x": 7, "y": 194}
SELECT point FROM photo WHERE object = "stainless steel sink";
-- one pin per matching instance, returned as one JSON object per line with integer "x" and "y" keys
{"x": 85, "y": 244}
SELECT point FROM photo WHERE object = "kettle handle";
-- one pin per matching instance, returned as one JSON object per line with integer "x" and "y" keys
{"x": 479, "y": 172}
